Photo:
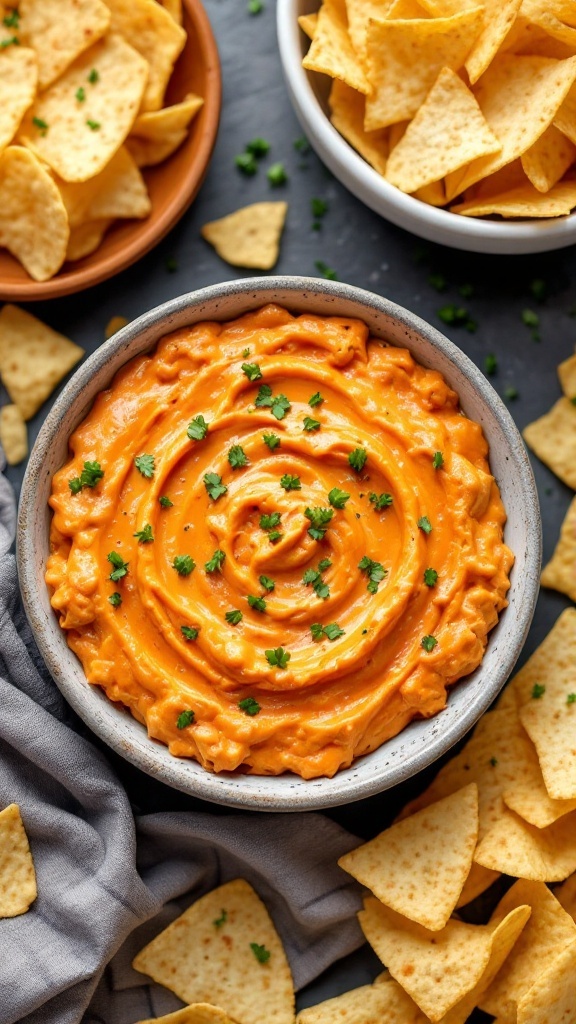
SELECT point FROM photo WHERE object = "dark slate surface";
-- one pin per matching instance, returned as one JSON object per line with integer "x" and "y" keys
{"x": 365, "y": 251}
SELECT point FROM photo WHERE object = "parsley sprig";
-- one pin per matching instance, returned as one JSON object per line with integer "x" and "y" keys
{"x": 319, "y": 520}
{"x": 145, "y": 464}
{"x": 380, "y": 501}
{"x": 184, "y": 565}
{"x": 249, "y": 706}
{"x": 234, "y": 616}
{"x": 237, "y": 457}
{"x": 332, "y": 631}
{"x": 197, "y": 429}
{"x": 278, "y": 404}
{"x": 215, "y": 563}
{"x": 375, "y": 572}
{"x": 278, "y": 657}
{"x": 338, "y": 498}
{"x": 145, "y": 535}
{"x": 214, "y": 486}
{"x": 290, "y": 483}
{"x": 120, "y": 566}
{"x": 271, "y": 441}
{"x": 357, "y": 459}
{"x": 189, "y": 632}
{"x": 89, "y": 477}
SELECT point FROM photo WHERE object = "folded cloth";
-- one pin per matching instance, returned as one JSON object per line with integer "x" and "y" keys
{"x": 107, "y": 882}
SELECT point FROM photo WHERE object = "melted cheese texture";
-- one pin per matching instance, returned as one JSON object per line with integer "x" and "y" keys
{"x": 335, "y": 700}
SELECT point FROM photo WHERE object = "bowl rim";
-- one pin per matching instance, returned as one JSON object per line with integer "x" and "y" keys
{"x": 432, "y": 223}
{"x": 151, "y": 232}
{"x": 265, "y": 793}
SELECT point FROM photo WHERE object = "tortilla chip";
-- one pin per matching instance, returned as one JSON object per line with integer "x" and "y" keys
{"x": 60, "y": 30}
{"x": 405, "y": 9}
{"x": 560, "y": 572}
{"x": 499, "y": 17}
{"x": 439, "y": 969}
{"x": 68, "y": 144}
{"x": 347, "y": 106}
{"x": 565, "y": 117}
{"x": 157, "y": 134}
{"x": 396, "y": 133}
{"x": 552, "y": 998}
{"x": 86, "y": 238}
{"x": 516, "y": 848}
{"x": 529, "y": 798}
{"x": 308, "y": 24}
{"x": 197, "y": 1013}
{"x": 402, "y": 867}
{"x": 553, "y": 439}
{"x": 331, "y": 52}
{"x": 229, "y": 957}
{"x": 174, "y": 8}
{"x": 567, "y": 376}
{"x": 399, "y": 82}
{"x": 33, "y": 221}
{"x": 13, "y": 434}
{"x": 156, "y": 36}
{"x": 359, "y": 13}
{"x": 519, "y": 97}
{"x": 17, "y": 875}
{"x": 523, "y": 202}
{"x": 446, "y": 8}
{"x": 507, "y": 178}
{"x": 547, "y": 160}
{"x": 433, "y": 194}
{"x": 18, "y": 81}
{"x": 116, "y": 323}
{"x": 33, "y": 358}
{"x": 556, "y": 17}
{"x": 566, "y": 896}
{"x": 249, "y": 237}
{"x": 118, "y": 191}
{"x": 447, "y": 132}
{"x": 370, "y": 1004}
{"x": 549, "y": 930}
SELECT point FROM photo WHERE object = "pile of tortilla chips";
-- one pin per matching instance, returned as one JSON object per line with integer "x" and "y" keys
{"x": 506, "y": 804}
{"x": 470, "y": 105}
{"x": 81, "y": 93}
{"x": 33, "y": 360}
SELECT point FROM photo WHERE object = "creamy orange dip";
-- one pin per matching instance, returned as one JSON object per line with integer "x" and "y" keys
{"x": 298, "y": 641}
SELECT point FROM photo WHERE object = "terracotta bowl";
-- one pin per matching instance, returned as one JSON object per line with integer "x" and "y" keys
{"x": 172, "y": 184}
{"x": 422, "y": 742}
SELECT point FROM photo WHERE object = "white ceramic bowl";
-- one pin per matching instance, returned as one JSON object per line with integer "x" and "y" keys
{"x": 309, "y": 95}
{"x": 422, "y": 741}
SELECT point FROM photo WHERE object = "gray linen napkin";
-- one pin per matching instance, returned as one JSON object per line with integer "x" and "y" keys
{"x": 107, "y": 882}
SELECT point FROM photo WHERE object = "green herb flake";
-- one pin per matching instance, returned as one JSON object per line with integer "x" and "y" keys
{"x": 290, "y": 483}
{"x": 252, "y": 371}
{"x": 80, "y": 94}
{"x": 466, "y": 291}
{"x": 325, "y": 270}
{"x": 375, "y": 572}
{"x": 234, "y": 616}
{"x": 249, "y": 706}
{"x": 215, "y": 563}
{"x": 324, "y": 564}
{"x": 437, "y": 460}
{"x": 165, "y": 502}
{"x": 14, "y": 41}
{"x": 537, "y": 691}
{"x": 189, "y": 632}
{"x": 319, "y": 519}
{"x": 538, "y": 288}
{"x": 257, "y": 603}
{"x": 197, "y": 429}
{"x": 93, "y": 77}
{"x": 278, "y": 404}
{"x": 357, "y": 459}
{"x": 120, "y": 566}
{"x": 267, "y": 583}
{"x": 260, "y": 952}
{"x": 145, "y": 535}
{"x": 430, "y": 577}
{"x": 317, "y": 630}
{"x": 269, "y": 521}
{"x": 315, "y": 399}
{"x": 219, "y": 921}
{"x": 301, "y": 145}
{"x": 380, "y": 501}
{"x": 36, "y": 121}
{"x": 278, "y": 657}
{"x": 91, "y": 474}
{"x": 530, "y": 318}
{"x": 425, "y": 524}
{"x": 511, "y": 394}
{"x": 277, "y": 175}
{"x": 171, "y": 265}
{"x": 333, "y": 631}
{"x": 94, "y": 126}
{"x": 271, "y": 441}
{"x": 438, "y": 282}
{"x": 319, "y": 207}
{"x": 311, "y": 424}
{"x": 258, "y": 147}
{"x": 145, "y": 464}
{"x": 490, "y": 364}
{"x": 185, "y": 718}
{"x": 12, "y": 19}
{"x": 453, "y": 315}
{"x": 274, "y": 536}
{"x": 237, "y": 457}
{"x": 184, "y": 565}
{"x": 246, "y": 163}
{"x": 115, "y": 600}
{"x": 245, "y": 353}
{"x": 428, "y": 643}
{"x": 255, "y": 6}
{"x": 214, "y": 486}
{"x": 338, "y": 498}
{"x": 493, "y": 761}
{"x": 571, "y": 698}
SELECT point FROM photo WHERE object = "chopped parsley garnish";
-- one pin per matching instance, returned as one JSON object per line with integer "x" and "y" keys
{"x": 185, "y": 718}
{"x": 258, "y": 603}
{"x": 437, "y": 281}
{"x": 278, "y": 657}
{"x": 380, "y": 501}
{"x": 145, "y": 464}
{"x": 428, "y": 643}
{"x": 115, "y": 600}
{"x": 93, "y": 77}
{"x": 36, "y": 121}
{"x": 430, "y": 577}
{"x": 319, "y": 519}
{"x": 493, "y": 761}
{"x": 145, "y": 535}
{"x": 510, "y": 394}
{"x": 267, "y": 583}
{"x": 317, "y": 630}
{"x": 538, "y": 289}
{"x": 530, "y": 318}
{"x": 310, "y": 424}
{"x": 183, "y": 564}
{"x": 319, "y": 207}
{"x": 94, "y": 126}
{"x": 120, "y": 566}
{"x": 11, "y": 20}
{"x": 89, "y": 477}
{"x": 456, "y": 315}
{"x": 571, "y": 698}
{"x": 357, "y": 459}
{"x": 324, "y": 564}
{"x": 246, "y": 353}
{"x": 214, "y": 486}
{"x": 375, "y": 572}
{"x": 14, "y": 41}
{"x": 171, "y": 265}
{"x": 325, "y": 270}
{"x": 312, "y": 578}
{"x": 258, "y": 147}
{"x": 165, "y": 502}
{"x": 234, "y": 616}
{"x": 301, "y": 145}
{"x": 271, "y": 441}
{"x": 466, "y": 291}
{"x": 246, "y": 163}
{"x": 269, "y": 521}
{"x": 219, "y": 921}
{"x": 249, "y": 706}
{"x": 290, "y": 483}
{"x": 255, "y": 6}
{"x": 237, "y": 457}
{"x": 190, "y": 632}
{"x": 260, "y": 952}
{"x": 333, "y": 631}
{"x": 537, "y": 691}
{"x": 197, "y": 429}
{"x": 425, "y": 524}
{"x": 274, "y": 536}
{"x": 437, "y": 460}
{"x": 279, "y": 404}
{"x": 490, "y": 364}
{"x": 252, "y": 371}
{"x": 277, "y": 175}
{"x": 215, "y": 563}
{"x": 81, "y": 94}
{"x": 315, "y": 399}
{"x": 338, "y": 498}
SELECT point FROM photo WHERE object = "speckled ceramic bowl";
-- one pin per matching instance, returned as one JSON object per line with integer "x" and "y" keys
{"x": 422, "y": 741}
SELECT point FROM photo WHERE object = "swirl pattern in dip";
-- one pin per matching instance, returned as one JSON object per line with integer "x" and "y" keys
{"x": 294, "y": 583}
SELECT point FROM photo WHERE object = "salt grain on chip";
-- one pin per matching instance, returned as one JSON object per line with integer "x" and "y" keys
{"x": 17, "y": 875}
{"x": 331, "y": 52}
{"x": 156, "y": 36}
{"x": 33, "y": 222}
{"x": 18, "y": 80}
{"x": 33, "y": 358}
{"x": 249, "y": 237}
{"x": 60, "y": 30}
{"x": 13, "y": 434}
